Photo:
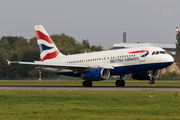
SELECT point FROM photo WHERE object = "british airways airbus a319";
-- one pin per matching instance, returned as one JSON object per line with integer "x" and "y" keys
{"x": 142, "y": 62}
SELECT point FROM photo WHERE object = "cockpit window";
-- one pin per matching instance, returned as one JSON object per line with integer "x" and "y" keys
{"x": 157, "y": 52}
{"x": 153, "y": 53}
{"x": 162, "y": 52}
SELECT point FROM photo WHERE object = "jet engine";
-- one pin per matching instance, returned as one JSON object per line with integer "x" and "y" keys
{"x": 96, "y": 74}
{"x": 146, "y": 75}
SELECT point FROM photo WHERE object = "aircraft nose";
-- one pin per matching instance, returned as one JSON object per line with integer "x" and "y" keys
{"x": 170, "y": 59}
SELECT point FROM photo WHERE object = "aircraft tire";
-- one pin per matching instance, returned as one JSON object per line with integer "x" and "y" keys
{"x": 151, "y": 81}
{"x": 87, "y": 83}
{"x": 117, "y": 83}
{"x": 120, "y": 83}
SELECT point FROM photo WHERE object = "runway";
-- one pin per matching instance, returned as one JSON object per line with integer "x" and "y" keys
{"x": 94, "y": 88}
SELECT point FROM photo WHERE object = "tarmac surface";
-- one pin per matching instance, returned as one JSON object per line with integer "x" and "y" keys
{"x": 94, "y": 88}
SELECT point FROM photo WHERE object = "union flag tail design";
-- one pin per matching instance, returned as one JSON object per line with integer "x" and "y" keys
{"x": 47, "y": 48}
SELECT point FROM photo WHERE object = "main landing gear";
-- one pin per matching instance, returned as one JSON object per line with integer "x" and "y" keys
{"x": 87, "y": 83}
{"x": 120, "y": 83}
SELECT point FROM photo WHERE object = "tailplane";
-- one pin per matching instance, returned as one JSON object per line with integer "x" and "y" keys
{"x": 47, "y": 48}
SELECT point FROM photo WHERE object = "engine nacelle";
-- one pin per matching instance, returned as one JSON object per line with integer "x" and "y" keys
{"x": 96, "y": 74}
{"x": 145, "y": 75}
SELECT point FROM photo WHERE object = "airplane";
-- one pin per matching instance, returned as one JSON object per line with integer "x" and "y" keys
{"x": 143, "y": 63}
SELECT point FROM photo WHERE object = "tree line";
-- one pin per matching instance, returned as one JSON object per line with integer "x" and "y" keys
{"x": 22, "y": 49}
{"x": 177, "y": 58}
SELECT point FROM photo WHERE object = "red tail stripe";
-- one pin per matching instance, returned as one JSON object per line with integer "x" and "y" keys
{"x": 50, "y": 55}
{"x": 41, "y": 35}
{"x": 140, "y": 51}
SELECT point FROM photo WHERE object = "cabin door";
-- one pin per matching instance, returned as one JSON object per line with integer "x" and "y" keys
{"x": 142, "y": 55}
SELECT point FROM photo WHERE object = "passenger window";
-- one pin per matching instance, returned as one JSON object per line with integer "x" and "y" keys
{"x": 157, "y": 52}
{"x": 153, "y": 53}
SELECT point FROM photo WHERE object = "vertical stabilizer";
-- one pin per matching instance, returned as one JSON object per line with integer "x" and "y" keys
{"x": 47, "y": 48}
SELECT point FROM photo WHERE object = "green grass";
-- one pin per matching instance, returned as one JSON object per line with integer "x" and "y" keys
{"x": 89, "y": 105}
{"x": 79, "y": 83}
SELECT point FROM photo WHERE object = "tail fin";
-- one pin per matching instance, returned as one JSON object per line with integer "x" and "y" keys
{"x": 47, "y": 48}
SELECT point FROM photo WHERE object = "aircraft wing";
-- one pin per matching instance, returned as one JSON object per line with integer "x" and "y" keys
{"x": 75, "y": 67}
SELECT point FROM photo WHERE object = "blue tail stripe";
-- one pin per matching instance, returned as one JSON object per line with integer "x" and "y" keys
{"x": 43, "y": 47}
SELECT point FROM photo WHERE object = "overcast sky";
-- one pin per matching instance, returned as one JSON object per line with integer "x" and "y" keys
{"x": 100, "y": 21}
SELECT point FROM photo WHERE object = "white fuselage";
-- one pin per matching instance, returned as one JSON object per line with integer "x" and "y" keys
{"x": 119, "y": 58}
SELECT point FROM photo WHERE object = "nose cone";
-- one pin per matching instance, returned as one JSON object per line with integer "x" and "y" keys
{"x": 169, "y": 59}
{"x": 163, "y": 61}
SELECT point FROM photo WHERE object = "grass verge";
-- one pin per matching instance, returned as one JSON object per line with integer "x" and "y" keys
{"x": 89, "y": 105}
{"x": 79, "y": 83}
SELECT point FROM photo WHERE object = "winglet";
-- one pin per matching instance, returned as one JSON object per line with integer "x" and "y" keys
{"x": 9, "y": 62}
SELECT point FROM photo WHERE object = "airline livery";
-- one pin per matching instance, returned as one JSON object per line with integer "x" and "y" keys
{"x": 142, "y": 62}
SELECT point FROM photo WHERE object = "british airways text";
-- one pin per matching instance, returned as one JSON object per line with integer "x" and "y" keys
{"x": 124, "y": 60}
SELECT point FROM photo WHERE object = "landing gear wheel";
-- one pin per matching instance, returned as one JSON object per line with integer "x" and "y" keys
{"x": 120, "y": 83}
{"x": 151, "y": 81}
{"x": 117, "y": 83}
{"x": 87, "y": 83}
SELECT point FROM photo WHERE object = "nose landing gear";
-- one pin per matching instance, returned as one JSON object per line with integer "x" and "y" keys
{"x": 151, "y": 81}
